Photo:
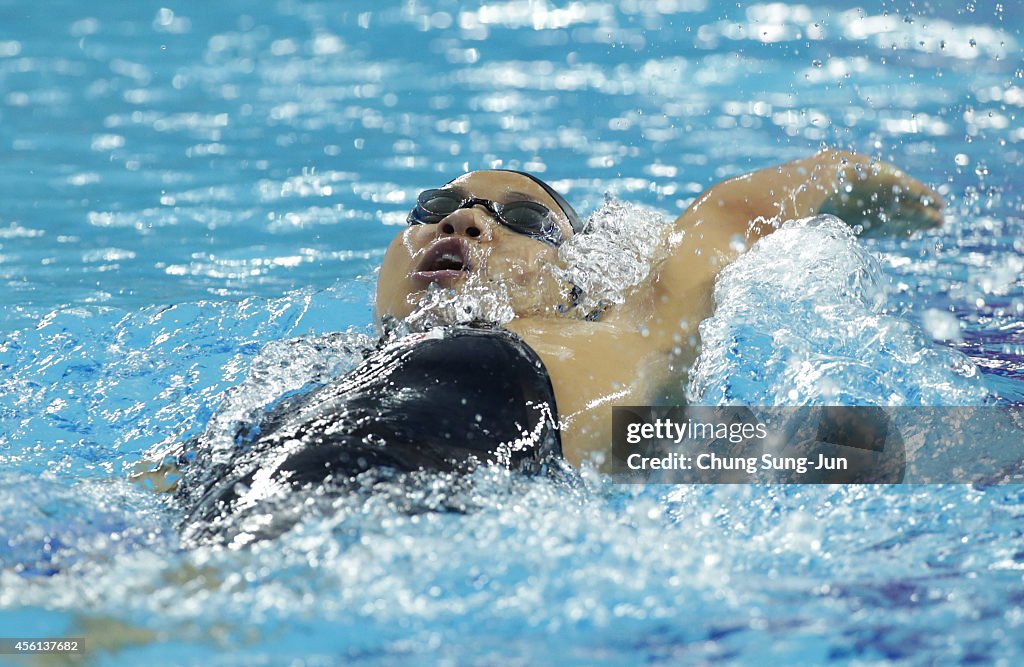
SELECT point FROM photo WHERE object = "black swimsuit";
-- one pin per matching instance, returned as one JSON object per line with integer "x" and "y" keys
{"x": 442, "y": 400}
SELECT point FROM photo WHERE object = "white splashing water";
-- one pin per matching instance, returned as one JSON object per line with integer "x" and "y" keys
{"x": 617, "y": 252}
{"x": 801, "y": 319}
{"x": 475, "y": 301}
{"x": 941, "y": 325}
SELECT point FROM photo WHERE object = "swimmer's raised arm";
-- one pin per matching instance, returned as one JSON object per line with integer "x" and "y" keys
{"x": 860, "y": 190}
{"x": 727, "y": 218}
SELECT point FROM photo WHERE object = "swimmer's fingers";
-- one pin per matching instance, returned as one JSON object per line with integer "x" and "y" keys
{"x": 159, "y": 477}
{"x": 883, "y": 200}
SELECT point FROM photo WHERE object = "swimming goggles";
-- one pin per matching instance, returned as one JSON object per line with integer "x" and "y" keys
{"x": 525, "y": 217}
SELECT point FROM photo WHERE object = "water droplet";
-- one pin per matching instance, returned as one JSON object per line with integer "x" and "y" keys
{"x": 941, "y": 325}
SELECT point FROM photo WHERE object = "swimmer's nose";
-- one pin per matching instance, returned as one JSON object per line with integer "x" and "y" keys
{"x": 472, "y": 223}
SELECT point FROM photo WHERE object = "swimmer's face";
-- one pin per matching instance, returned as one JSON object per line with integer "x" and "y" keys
{"x": 470, "y": 244}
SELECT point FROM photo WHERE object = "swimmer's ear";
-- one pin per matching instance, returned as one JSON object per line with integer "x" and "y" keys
{"x": 884, "y": 201}
{"x": 575, "y": 294}
{"x": 575, "y": 297}
{"x": 388, "y": 325}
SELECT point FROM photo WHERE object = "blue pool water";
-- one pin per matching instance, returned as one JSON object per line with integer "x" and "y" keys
{"x": 194, "y": 198}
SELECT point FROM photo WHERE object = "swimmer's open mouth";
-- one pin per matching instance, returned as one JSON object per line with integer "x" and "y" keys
{"x": 446, "y": 261}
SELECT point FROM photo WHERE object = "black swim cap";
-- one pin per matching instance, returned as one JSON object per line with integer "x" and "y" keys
{"x": 567, "y": 209}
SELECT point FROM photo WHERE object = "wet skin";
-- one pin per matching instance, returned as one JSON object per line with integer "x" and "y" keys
{"x": 639, "y": 351}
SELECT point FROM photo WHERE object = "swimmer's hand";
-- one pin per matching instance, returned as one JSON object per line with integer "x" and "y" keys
{"x": 160, "y": 477}
{"x": 882, "y": 199}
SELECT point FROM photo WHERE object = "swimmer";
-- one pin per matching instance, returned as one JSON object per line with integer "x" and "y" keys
{"x": 535, "y": 385}
{"x": 503, "y": 228}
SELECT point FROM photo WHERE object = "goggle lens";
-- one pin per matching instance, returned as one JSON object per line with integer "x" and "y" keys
{"x": 525, "y": 217}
